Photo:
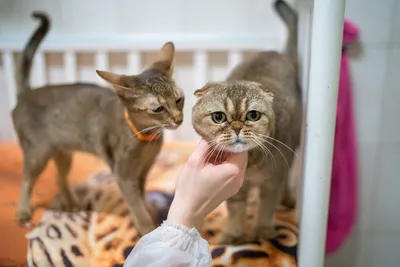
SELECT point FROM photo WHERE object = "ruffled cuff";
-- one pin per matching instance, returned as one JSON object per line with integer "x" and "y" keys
{"x": 185, "y": 239}
{"x": 171, "y": 245}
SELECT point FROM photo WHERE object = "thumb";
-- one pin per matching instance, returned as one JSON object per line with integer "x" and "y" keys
{"x": 235, "y": 161}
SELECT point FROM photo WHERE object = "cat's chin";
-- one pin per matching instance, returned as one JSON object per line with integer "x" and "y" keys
{"x": 237, "y": 147}
{"x": 172, "y": 126}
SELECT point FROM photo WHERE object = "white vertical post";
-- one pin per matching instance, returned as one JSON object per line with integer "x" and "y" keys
{"x": 70, "y": 66}
{"x": 39, "y": 67}
{"x": 304, "y": 42}
{"x": 326, "y": 43}
{"x": 101, "y": 61}
{"x": 7, "y": 131}
{"x": 9, "y": 69}
{"x": 200, "y": 68}
{"x": 234, "y": 58}
{"x": 201, "y": 78}
{"x": 134, "y": 63}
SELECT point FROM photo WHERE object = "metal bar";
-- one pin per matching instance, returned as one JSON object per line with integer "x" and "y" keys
{"x": 70, "y": 66}
{"x": 235, "y": 57}
{"x": 39, "y": 68}
{"x": 101, "y": 62}
{"x": 326, "y": 44}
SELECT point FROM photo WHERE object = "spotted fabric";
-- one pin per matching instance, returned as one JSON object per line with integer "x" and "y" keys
{"x": 103, "y": 234}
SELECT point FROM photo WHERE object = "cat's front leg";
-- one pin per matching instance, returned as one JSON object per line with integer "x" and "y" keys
{"x": 288, "y": 200}
{"x": 270, "y": 196}
{"x": 130, "y": 182}
{"x": 235, "y": 234}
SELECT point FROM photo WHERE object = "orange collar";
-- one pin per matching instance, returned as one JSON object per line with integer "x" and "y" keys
{"x": 138, "y": 134}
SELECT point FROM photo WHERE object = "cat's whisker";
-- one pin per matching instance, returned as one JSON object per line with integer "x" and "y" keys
{"x": 208, "y": 152}
{"x": 274, "y": 166}
{"x": 210, "y": 146}
{"x": 148, "y": 129}
{"x": 266, "y": 141}
{"x": 282, "y": 143}
{"x": 205, "y": 153}
{"x": 223, "y": 149}
{"x": 266, "y": 151}
{"x": 156, "y": 135}
{"x": 211, "y": 153}
{"x": 219, "y": 151}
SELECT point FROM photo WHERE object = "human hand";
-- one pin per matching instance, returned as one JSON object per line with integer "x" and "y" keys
{"x": 202, "y": 186}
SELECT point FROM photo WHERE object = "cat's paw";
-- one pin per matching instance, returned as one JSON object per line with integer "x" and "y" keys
{"x": 231, "y": 239}
{"x": 23, "y": 216}
{"x": 288, "y": 202}
{"x": 266, "y": 232}
{"x": 70, "y": 206}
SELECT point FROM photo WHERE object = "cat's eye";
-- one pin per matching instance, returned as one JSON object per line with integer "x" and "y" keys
{"x": 218, "y": 117}
{"x": 158, "y": 110}
{"x": 179, "y": 100}
{"x": 253, "y": 115}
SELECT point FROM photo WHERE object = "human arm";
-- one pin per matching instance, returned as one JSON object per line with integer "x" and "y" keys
{"x": 201, "y": 187}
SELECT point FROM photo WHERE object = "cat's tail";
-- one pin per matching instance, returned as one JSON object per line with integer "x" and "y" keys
{"x": 24, "y": 69}
{"x": 289, "y": 16}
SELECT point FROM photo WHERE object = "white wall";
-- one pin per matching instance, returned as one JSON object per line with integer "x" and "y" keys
{"x": 137, "y": 16}
{"x": 376, "y": 238}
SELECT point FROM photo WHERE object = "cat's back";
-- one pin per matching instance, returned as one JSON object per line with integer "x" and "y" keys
{"x": 62, "y": 94}
{"x": 66, "y": 98}
{"x": 266, "y": 68}
{"x": 63, "y": 108}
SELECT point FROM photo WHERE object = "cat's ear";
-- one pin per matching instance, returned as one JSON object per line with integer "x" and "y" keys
{"x": 166, "y": 58}
{"x": 119, "y": 84}
{"x": 270, "y": 95}
{"x": 200, "y": 92}
{"x": 265, "y": 90}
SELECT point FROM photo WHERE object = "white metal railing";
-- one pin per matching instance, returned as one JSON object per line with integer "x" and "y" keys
{"x": 133, "y": 46}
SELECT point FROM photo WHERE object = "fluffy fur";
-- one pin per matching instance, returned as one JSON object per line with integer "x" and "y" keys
{"x": 53, "y": 121}
{"x": 257, "y": 109}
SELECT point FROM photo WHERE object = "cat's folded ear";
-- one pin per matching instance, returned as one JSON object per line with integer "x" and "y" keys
{"x": 200, "y": 92}
{"x": 264, "y": 89}
{"x": 123, "y": 85}
{"x": 268, "y": 93}
{"x": 166, "y": 58}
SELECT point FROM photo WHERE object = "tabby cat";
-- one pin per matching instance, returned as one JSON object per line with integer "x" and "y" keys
{"x": 122, "y": 126}
{"x": 257, "y": 109}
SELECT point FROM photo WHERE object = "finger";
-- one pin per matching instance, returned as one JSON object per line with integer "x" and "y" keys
{"x": 196, "y": 158}
{"x": 238, "y": 159}
{"x": 236, "y": 163}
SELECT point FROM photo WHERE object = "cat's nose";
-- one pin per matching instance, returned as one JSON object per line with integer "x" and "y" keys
{"x": 236, "y": 127}
{"x": 177, "y": 117}
{"x": 237, "y": 130}
{"x": 178, "y": 120}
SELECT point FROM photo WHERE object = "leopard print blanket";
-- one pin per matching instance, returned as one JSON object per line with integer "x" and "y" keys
{"x": 103, "y": 234}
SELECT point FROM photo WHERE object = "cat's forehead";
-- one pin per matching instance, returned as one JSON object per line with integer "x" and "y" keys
{"x": 235, "y": 98}
{"x": 234, "y": 94}
{"x": 159, "y": 84}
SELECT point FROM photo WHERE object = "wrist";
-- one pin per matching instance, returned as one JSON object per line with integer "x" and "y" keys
{"x": 183, "y": 216}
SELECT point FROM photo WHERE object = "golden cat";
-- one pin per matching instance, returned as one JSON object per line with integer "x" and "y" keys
{"x": 257, "y": 109}
{"x": 123, "y": 127}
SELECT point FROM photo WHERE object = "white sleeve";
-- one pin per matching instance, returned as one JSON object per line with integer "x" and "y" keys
{"x": 170, "y": 245}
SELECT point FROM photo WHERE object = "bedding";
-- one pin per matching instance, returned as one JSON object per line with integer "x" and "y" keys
{"x": 102, "y": 233}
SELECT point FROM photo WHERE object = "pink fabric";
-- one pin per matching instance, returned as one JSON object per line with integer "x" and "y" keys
{"x": 343, "y": 197}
